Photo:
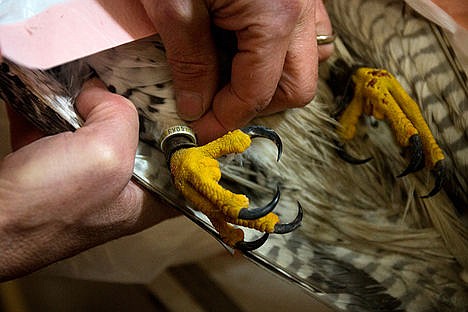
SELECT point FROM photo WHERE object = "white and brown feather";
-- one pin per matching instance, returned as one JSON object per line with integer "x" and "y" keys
{"x": 368, "y": 240}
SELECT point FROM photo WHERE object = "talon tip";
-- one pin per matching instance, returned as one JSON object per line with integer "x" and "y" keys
{"x": 289, "y": 227}
{"x": 264, "y": 132}
{"x": 349, "y": 158}
{"x": 249, "y": 246}
{"x": 417, "y": 156}
{"x": 440, "y": 174}
{"x": 255, "y": 213}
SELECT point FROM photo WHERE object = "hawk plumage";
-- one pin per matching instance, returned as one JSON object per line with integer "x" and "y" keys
{"x": 368, "y": 241}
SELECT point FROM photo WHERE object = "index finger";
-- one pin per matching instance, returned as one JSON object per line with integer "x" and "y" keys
{"x": 256, "y": 71}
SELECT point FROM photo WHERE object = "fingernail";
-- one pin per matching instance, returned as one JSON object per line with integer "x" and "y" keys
{"x": 189, "y": 105}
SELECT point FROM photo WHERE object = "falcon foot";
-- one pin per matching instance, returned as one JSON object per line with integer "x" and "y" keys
{"x": 196, "y": 175}
{"x": 377, "y": 93}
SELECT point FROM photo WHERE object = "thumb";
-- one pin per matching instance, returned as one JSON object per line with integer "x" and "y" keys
{"x": 184, "y": 27}
{"x": 96, "y": 104}
{"x": 111, "y": 122}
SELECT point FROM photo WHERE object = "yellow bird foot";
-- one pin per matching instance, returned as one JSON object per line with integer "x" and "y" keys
{"x": 377, "y": 93}
{"x": 196, "y": 174}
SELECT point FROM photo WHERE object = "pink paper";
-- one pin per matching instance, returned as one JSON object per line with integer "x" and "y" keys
{"x": 72, "y": 30}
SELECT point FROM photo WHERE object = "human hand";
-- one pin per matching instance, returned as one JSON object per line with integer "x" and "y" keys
{"x": 275, "y": 66}
{"x": 65, "y": 193}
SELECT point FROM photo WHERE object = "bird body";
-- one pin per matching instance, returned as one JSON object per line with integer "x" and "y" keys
{"x": 368, "y": 240}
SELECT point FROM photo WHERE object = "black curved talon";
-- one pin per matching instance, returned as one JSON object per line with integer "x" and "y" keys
{"x": 343, "y": 154}
{"x": 341, "y": 84}
{"x": 289, "y": 227}
{"x": 440, "y": 173}
{"x": 415, "y": 149}
{"x": 255, "y": 213}
{"x": 263, "y": 132}
{"x": 249, "y": 246}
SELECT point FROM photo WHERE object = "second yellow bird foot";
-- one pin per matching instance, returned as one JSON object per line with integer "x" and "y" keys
{"x": 196, "y": 174}
{"x": 377, "y": 93}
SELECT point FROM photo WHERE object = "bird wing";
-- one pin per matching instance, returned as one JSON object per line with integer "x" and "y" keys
{"x": 368, "y": 241}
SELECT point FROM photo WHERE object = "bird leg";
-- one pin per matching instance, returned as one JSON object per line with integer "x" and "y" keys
{"x": 377, "y": 93}
{"x": 196, "y": 174}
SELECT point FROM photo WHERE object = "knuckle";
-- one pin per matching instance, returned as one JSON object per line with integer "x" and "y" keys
{"x": 174, "y": 11}
{"x": 117, "y": 99}
{"x": 292, "y": 7}
{"x": 184, "y": 69}
{"x": 109, "y": 157}
{"x": 279, "y": 19}
{"x": 290, "y": 10}
{"x": 114, "y": 164}
{"x": 262, "y": 103}
{"x": 254, "y": 103}
{"x": 298, "y": 95}
{"x": 119, "y": 104}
